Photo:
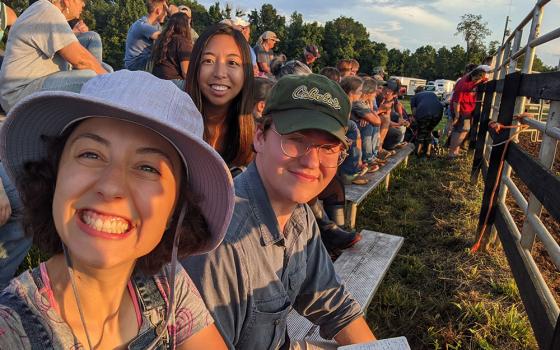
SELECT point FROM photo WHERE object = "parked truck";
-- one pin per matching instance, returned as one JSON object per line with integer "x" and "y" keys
{"x": 410, "y": 84}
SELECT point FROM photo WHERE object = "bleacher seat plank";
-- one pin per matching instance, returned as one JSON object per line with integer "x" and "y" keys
{"x": 361, "y": 269}
{"x": 357, "y": 193}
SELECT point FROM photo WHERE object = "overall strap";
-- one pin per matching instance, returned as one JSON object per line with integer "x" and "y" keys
{"x": 154, "y": 308}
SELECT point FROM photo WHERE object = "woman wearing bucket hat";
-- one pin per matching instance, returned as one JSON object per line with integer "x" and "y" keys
{"x": 109, "y": 179}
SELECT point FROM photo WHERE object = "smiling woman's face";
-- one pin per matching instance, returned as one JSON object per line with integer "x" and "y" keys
{"x": 116, "y": 190}
{"x": 221, "y": 75}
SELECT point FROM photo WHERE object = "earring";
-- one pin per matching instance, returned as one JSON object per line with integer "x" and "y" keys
{"x": 67, "y": 10}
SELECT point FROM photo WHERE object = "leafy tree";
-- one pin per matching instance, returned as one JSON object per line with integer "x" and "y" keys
{"x": 268, "y": 19}
{"x": 474, "y": 31}
{"x": 300, "y": 34}
{"x": 344, "y": 38}
{"x": 200, "y": 17}
{"x": 396, "y": 61}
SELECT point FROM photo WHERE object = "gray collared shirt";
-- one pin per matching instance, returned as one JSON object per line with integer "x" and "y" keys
{"x": 257, "y": 275}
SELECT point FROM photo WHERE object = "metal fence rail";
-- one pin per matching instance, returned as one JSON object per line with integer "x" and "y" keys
{"x": 502, "y": 98}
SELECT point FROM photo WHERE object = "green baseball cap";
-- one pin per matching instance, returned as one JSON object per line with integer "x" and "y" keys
{"x": 309, "y": 102}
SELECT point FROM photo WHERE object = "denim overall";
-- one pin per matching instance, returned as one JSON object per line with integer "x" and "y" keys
{"x": 150, "y": 299}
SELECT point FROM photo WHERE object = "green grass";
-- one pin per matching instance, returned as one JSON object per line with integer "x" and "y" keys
{"x": 436, "y": 293}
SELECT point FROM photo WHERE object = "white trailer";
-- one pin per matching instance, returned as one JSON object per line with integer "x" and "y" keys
{"x": 443, "y": 87}
{"x": 410, "y": 84}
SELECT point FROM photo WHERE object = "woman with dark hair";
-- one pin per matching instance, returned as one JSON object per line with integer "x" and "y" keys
{"x": 220, "y": 82}
{"x": 114, "y": 188}
{"x": 172, "y": 50}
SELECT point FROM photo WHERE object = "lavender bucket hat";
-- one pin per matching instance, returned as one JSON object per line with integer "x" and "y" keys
{"x": 136, "y": 97}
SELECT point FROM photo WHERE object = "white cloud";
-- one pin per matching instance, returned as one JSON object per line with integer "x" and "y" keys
{"x": 386, "y": 32}
{"x": 413, "y": 14}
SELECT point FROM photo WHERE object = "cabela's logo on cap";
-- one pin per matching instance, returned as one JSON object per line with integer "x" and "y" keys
{"x": 301, "y": 93}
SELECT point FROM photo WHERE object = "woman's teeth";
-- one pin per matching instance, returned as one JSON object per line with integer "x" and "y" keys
{"x": 102, "y": 223}
{"x": 219, "y": 87}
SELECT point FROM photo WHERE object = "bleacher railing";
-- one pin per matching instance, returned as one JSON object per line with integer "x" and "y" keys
{"x": 506, "y": 95}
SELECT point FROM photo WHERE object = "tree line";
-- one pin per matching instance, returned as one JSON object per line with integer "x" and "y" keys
{"x": 337, "y": 39}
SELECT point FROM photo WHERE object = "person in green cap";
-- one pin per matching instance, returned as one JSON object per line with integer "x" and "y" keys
{"x": 272, "y": 259}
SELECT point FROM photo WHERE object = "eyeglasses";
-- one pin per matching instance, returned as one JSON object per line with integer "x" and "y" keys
{"x": 295, "y": 145}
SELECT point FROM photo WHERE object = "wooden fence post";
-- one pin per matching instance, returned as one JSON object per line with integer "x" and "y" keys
{"x": 493, "y": 175}
{"x": 476, "y": 116}
{"x": 478, "y": 159}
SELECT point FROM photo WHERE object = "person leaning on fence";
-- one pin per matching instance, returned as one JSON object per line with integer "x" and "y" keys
{"x": 464, "y": 103}
{"x": 142, "y": 34}
{"x": 220, "y": 82}
{"x": 172, "y": 50}
{"x": 272, "y": 258}
{"x": 110, "y": 181}
{"x": 34, "y": 62}
{"x": 427, "y": 111}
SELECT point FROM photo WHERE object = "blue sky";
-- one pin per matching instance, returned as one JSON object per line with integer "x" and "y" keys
{"x": 408, "y": 24}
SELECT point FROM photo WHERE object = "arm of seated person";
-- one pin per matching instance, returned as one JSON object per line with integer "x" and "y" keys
{"x": 373, "y": 118}
{"x": 155, "y": 35}
{"x": 184, "y": 68}
{"x": 207, "y": 338}
{"x": 264, "y": 67}
{"x": 80, "y": 58}
{"x": 355, "y": 332}
{"x": 11, "y": 16}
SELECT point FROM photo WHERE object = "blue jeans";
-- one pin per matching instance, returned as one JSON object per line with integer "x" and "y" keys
{"x": 367, "y": 142}
{"x": 350, "y": 164}
{"x": 13, "y": 243}
{"x": 92, "y": 42}
{"x": 375, "y": 140}
{"x": 72, "y": 80}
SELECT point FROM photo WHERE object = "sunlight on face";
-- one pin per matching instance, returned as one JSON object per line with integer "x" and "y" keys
{"x": 116, "y": 189}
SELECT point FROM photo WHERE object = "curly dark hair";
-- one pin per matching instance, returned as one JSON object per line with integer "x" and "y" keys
{"x": 178, "y": 24}
{"x": 37, "y": 186}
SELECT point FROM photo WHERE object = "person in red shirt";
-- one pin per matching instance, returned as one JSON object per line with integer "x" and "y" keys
{"x": 463, "y": 104}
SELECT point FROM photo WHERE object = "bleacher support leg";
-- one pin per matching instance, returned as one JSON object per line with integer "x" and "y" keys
{"x": 405, "y": 162}
{"x": 387, "y": 180}
{"x": 351, "y": 212}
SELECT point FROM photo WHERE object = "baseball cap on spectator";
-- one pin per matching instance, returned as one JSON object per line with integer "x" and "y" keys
{"x": 240, "y": 22}
{"x": 270, "y": 35}
{"x": 186, "y": 10}
{"x": 486, "y": 68}
{"x": 304, "y": 102}
{"x": 394, "y": 85}
{"x": 313, "y": 50}
{"x": 379, "y": 80}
